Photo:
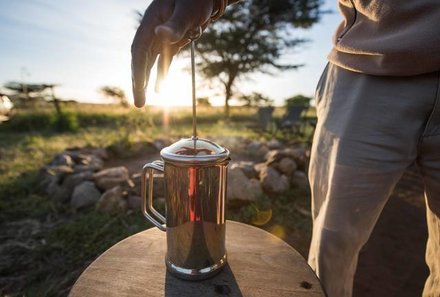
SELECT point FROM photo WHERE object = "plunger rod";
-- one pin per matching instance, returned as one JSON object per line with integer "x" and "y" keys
{"x": 193, "y": 78}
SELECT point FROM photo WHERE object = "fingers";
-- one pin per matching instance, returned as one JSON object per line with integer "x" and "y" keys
{"x": 174, "y": 29}
{"x": 142, "y": 63}
{"x": 142, "y": 55}
{"x": 165, "y": 59}
{"x": 186, "y": 15}
{"x": 164, "y": 62}
{"x": 145, "y": 47}
{"x": 174, "y": 33}
{"x": 153, "y": 34}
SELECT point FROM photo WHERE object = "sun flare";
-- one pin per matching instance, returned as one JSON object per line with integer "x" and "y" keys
{"x": 175, "y": 90}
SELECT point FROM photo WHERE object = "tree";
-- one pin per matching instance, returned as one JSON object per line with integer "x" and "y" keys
{"x": 255, "y": 100}
{"x": 31, "y": 92}
{"x": 297, "y": 100}
{"x": 203, "y": 101}
{"x": 115, "y": 93}
{"x": 252, "y": 36}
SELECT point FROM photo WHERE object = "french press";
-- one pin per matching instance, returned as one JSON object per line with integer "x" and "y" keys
{"x": 195, "y": 175}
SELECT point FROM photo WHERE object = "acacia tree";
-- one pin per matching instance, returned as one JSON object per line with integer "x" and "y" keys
{"x": 30, "y": 92}
{"x": 255, "y": 100}
{"x": 297, "y": 100}
{"x": 252, "y": 36}
{"x": 115, "y": 93}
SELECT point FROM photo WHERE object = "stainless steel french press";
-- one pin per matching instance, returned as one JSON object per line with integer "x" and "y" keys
{"x": 195, "y": 173}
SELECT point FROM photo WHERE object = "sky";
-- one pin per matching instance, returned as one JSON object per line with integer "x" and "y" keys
{"x": 83, "y": 45}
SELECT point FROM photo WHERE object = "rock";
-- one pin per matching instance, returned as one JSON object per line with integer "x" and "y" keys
{"x": 287, "y": 166}
{"x": 80, "y": 158}
{"x": 61, "y": 189}
{"x": 274, "y": 144}
{"x": 60, "y": 170}
{"x": 299, "y": 155}
{"x": 233, "y": 143}
{"x": 81, "y": 168}
{"x": 62, "y": 159}
{"x": 112, "y": 201}
{"x": 273, "y": 156}
{"x": 96, "y": 163}
{"x": 242, "y": 188}
{"x": 134, "y": 202}
{"x": 253, "y": 146}
{"x": 257, "y": 150}
{"x": 58, "y": 193}
{"x": 71, "y": 181}
{"x": 78, "y": 154}
{"x": 294, "y": 153}
{"x": 51, "y": 178}
{"x": 272, "y": 182}
{"x": 254, "y": 190}
{"x": 85, "y": 194}
{"x": 247, "y": 168}
{"x": 259, "y": 167}
{"x": 285, "y": 183}
{"x": 101, "y": 153}
{"x": 48, "y": 180}
{"x": 136, "y": 178}
{"x": 112, "y": 177}
{"x": 158, "y": 184}
{"x": 62, "y": 194}
{"x": 300, "y": 179}
{"x": 93, "y": 164}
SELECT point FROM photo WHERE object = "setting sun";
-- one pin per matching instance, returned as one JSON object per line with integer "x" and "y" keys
{"x": 175, "y": 90}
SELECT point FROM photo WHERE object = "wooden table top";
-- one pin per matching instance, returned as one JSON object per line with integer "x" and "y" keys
{"x": 259, "y": 265}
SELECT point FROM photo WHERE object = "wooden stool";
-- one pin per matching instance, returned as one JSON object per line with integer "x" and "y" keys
{"x": 259, "y": 265}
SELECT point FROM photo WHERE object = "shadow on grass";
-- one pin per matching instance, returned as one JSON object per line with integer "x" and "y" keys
{"x": 45, "y": 245}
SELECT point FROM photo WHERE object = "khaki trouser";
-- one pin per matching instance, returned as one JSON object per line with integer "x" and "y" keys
{"x": 370, "y": 129}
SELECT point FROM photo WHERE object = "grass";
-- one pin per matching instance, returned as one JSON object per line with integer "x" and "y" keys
{"x": 46, "y": 245}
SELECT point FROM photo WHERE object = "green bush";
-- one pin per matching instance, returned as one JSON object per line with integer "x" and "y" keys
{"x": 93, "y": 119}
{"x": 64, "y": 122}
{"x": 27, "y": 122}
{"x": 298, "y": 100}
{"x": 42, "y": 121}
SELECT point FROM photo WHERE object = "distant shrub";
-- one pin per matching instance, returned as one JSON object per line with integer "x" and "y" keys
{"x": 92, "y": 119}
{"x": 42, "y": 122}
{"x": 27, "y": 122}
{"x": 64, "y": 122}
{"x": 298, "y": 100}
{"x": 203, "y": 102}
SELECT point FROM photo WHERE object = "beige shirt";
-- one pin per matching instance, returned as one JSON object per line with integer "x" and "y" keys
{"x": 388, "y": 37}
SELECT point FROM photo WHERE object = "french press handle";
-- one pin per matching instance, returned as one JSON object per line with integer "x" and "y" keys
{"x": 147, "y": 198}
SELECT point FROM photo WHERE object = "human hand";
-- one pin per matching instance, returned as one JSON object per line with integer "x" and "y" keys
{"x": 163, "y": 32}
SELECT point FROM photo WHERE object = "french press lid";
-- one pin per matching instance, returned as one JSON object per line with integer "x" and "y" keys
{"x": 194, "y": 150}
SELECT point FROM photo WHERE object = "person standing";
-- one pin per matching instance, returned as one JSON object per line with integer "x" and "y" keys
{"x": 378, "y": 109}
